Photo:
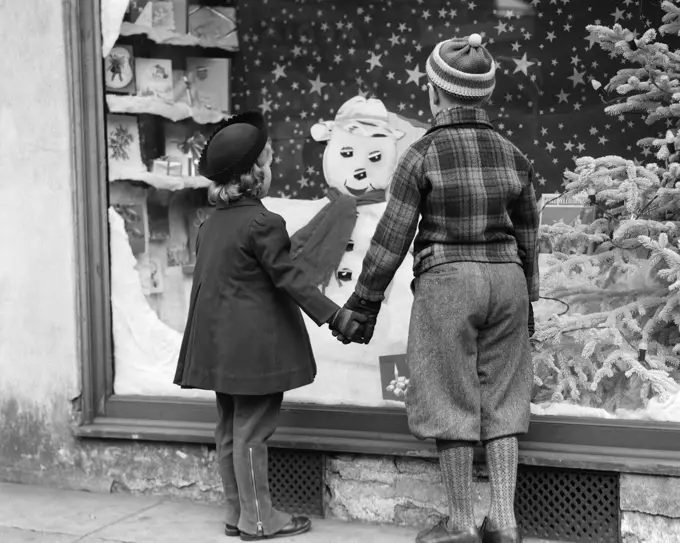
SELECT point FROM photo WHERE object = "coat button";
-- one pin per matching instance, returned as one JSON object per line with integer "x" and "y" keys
{"x": 350, "y": 246}
{"x": 345, "y": 274}
{"x": 363, "y": 302}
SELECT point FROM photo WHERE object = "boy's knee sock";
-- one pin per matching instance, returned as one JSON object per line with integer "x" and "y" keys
{"x": 456, "y": 466}
{"x": 501, "y": 461}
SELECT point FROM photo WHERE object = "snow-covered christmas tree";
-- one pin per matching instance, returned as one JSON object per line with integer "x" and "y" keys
{"x": 617, "y": 343}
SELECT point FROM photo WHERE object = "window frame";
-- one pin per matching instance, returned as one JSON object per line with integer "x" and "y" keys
{"x": 569, "y": 442}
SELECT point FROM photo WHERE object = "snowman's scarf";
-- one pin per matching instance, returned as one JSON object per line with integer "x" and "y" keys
{"x": 318, "y": 246}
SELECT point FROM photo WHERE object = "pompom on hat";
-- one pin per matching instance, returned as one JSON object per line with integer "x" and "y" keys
{"x": 463, "y": 67}
{"x": 233, "y": 147}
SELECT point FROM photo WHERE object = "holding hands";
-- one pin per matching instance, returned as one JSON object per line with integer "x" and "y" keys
{"x": 355, "y": 322}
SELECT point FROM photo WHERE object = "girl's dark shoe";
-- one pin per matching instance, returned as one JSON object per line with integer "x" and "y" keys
{"x": 296, "y": 526}
{"x": 506, "y": 535}
{"x": 231, "y": 531}
{"x": 439, "y": 533}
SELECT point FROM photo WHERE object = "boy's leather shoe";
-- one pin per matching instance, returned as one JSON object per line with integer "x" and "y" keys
{"x": 296, "y": 526}
{"x": 231, "y": 531}
{"x": 506, "y": 535}
{"x": 440, "y": 534}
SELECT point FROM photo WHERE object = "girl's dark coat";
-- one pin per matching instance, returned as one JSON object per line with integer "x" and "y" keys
{"x": 245, "y": 333}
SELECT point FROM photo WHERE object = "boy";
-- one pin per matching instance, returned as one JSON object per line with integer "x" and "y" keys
{"x": 476, "y": 269}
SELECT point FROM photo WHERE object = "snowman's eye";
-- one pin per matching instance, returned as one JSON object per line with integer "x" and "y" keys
{"x": 375, "y": 156}
{"x": 347, "y": 152}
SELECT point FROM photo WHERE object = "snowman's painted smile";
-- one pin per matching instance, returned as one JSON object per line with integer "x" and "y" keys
{"x": 357, "y": 192}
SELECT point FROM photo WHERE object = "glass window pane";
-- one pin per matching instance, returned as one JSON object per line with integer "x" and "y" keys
{"x": 344, "y": 89}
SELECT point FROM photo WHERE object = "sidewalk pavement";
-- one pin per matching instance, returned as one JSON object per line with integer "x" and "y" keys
{"x": 45, "y": 515}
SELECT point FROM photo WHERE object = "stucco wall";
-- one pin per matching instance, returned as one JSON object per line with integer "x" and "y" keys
{"x": 38, "y": 362}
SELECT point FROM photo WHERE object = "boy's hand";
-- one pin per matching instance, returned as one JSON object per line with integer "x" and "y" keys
{"x": 348, "y": 326}
{"x": 367, "y": 308}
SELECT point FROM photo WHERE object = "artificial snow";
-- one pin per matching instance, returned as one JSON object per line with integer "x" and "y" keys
{"x": 168, "y": 182}
{"x": 112, "y": 14}
{"x": 175, "y": 111}
{"x": 166, "y": 37}
{"x": 145, "y": 349}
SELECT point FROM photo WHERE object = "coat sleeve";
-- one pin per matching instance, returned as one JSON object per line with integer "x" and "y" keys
{"x": 270, "y": 242}
{"x": 395, "y": 231}
{"x": 525, "y": 219}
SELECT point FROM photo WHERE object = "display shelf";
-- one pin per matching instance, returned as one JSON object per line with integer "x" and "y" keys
{"x": 177, "y": 111}
{"x": 165, "y": 37}
{"x": 165, "y": 182}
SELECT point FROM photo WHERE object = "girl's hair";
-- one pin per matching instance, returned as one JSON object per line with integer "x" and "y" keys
{"x": 245, "y": 185}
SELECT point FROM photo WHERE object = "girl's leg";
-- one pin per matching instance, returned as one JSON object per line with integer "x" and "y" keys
{"x": 501, "y": 459}
{"x": 255, "y": 420}
{"x": 455, "y": 459}
{"x": 224, "y": 441}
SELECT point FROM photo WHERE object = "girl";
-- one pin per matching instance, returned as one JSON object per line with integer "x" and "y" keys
{"x": 245, "y": 337}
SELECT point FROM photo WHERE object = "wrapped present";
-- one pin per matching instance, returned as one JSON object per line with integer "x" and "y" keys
{"x": 209, "y": 85}
{"x": 166, "y": 166}
{"x": 214, "y": 24}
{"x": 193, "y": 147}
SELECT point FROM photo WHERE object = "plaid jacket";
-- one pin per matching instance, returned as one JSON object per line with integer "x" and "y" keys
{"x": 473, "y": 189}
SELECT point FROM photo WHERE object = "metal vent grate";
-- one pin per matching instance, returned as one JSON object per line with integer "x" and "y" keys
{"x": 564, "y": 505}
{"x": 296, "y": 481}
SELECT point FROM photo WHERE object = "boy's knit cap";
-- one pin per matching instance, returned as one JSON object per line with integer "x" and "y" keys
{"x": 462, "y": 67}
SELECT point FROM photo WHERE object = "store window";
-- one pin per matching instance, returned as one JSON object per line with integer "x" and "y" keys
{"x": 178, "y": 67}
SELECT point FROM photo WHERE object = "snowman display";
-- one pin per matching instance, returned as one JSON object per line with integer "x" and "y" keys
{"x": 331, "y": 236}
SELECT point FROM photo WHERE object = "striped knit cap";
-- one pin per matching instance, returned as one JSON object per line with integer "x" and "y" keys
{"x": 462, "y": 67}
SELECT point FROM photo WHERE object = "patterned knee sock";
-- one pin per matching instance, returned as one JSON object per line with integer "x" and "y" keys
{"x": 501, "y": 460}
{"x": 456, "y": 466}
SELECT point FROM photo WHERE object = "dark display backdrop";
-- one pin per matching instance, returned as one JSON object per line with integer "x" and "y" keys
{"x": 301, "y": 60}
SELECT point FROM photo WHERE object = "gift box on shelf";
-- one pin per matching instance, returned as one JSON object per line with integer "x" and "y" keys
{"x": 214, "y": 24}
{"x": 119, "y": 75}
{"x": 154, "y": 78}
{"x": 167, "y": 166}
{"x": 209, "y": 84}
{"x": 184, "y": 145}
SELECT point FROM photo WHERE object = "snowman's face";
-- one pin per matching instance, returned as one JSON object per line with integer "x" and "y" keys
{"x": 360, "y": 157}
